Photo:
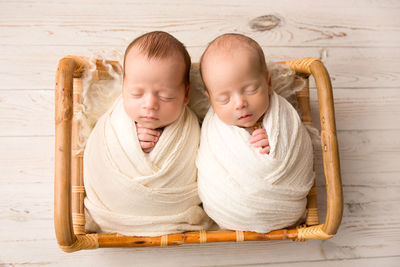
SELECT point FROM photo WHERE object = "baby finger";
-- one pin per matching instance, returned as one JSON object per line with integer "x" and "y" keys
{"x": 147, "y": 138}
{"x": 148, "y": 131}
{"x": 145, "y": 145}
{"x": 261, "y": 143}
{"x": 259, "y": 131}
{"x": 265, "y": 150}
{"x": 259, "y": 136}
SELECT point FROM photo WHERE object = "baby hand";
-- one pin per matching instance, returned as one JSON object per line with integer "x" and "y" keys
{"x": 259, "y": 138}
{"x": 148, "y": 138}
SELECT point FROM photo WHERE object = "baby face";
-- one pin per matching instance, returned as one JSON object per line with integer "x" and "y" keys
{"x": 154, "y": 92}
{"x": 237, "y": 88}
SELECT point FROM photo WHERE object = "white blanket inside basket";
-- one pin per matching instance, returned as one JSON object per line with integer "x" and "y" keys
{"x": 242, "y": 189}
{"x": 145, "y": 194}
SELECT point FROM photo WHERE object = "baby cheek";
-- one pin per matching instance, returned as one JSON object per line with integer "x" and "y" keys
{"x": 173, "y": 111}
{"x": 227, "y": 116}
{"x": 131, "y": 109}
{"x": 263, "y": 101}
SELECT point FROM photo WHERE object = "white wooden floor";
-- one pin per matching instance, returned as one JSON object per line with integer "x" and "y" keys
{"x": 359, "y": 41}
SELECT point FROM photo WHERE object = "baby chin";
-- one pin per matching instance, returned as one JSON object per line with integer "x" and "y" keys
{"x": 150, "y": 122}
{"x": 248, "y": 120}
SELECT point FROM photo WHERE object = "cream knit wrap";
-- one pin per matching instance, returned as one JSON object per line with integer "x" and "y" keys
{"x": 242, "y": 189}
{"x": 144, "y": 194}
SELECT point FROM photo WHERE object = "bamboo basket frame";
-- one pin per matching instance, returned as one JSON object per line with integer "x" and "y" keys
{"x": 69, "y": 192}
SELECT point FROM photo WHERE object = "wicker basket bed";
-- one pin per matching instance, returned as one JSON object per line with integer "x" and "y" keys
{"x": 69, "y": 216}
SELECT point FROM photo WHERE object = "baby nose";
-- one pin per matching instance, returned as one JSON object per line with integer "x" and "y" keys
{"x": 240, "y": 102}
{"x": 150, "y": 102}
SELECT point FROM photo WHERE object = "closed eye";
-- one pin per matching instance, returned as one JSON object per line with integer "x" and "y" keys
{"x": 251, "y": 90}
{"x": 136, "y": 94}
{"x": 166, "y": 98}
{"x": 223, "y": 99}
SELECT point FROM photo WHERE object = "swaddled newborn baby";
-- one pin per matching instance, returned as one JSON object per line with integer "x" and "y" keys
{"x": 250, "y": 179}
{"x": 139, "y": 162}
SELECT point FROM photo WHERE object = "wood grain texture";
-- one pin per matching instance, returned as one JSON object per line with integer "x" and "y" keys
{"x": 105, "y": 23}
{"x": 348, "y": 67}
{"x": 366, "y": 159}
{"x": 356, "y": 109}
{"x": 359, "y": 43}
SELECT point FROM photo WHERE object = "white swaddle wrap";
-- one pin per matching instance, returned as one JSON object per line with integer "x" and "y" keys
{"x": 242, "y": 189}
{"x": 144, "y": 194}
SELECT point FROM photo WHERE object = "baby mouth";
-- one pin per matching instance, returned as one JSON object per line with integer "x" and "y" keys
{"x": 149, "y": 118}
{"x": 245, "y": 117}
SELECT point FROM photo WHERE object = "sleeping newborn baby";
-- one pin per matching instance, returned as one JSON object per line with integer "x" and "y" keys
{"x": 255, "y": 160}
{"x": 139, "y": 161}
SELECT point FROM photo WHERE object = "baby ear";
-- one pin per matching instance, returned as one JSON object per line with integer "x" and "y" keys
{"x": 187, "y": 90}
{"x": 269, "y": 83}
{"x": 206, "y": 93}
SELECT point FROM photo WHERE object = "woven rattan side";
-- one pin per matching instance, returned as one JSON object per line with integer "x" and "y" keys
{"x": 303, "y": 100}
{"x": 77, "y": 188}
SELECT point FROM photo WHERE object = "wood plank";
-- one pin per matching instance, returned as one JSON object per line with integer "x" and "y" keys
{"x": 85, "y": 23}
{"x": 35, "y": 66}
{"x": 358, "y": 41}
{"x": 367, "y": 158}
{"x": 361, "y": 241}
{"x": 368, "y": 214}
{"x": 365, "y": 262}
{"x": 358, "y": 147}
{"x": 27, "y": 161}
{"x": 366, "y": 208}
{"x": 204, "y": 255}
{"x": 370, "y": 227}
{"x": 30, "y": 160}
{"x": 362, "y": 109}
{"x": 187, "y": 255}
{"x": 31, "y": 112}
{"x": 87, "y": 260}
{"x": 24, "y": 111}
